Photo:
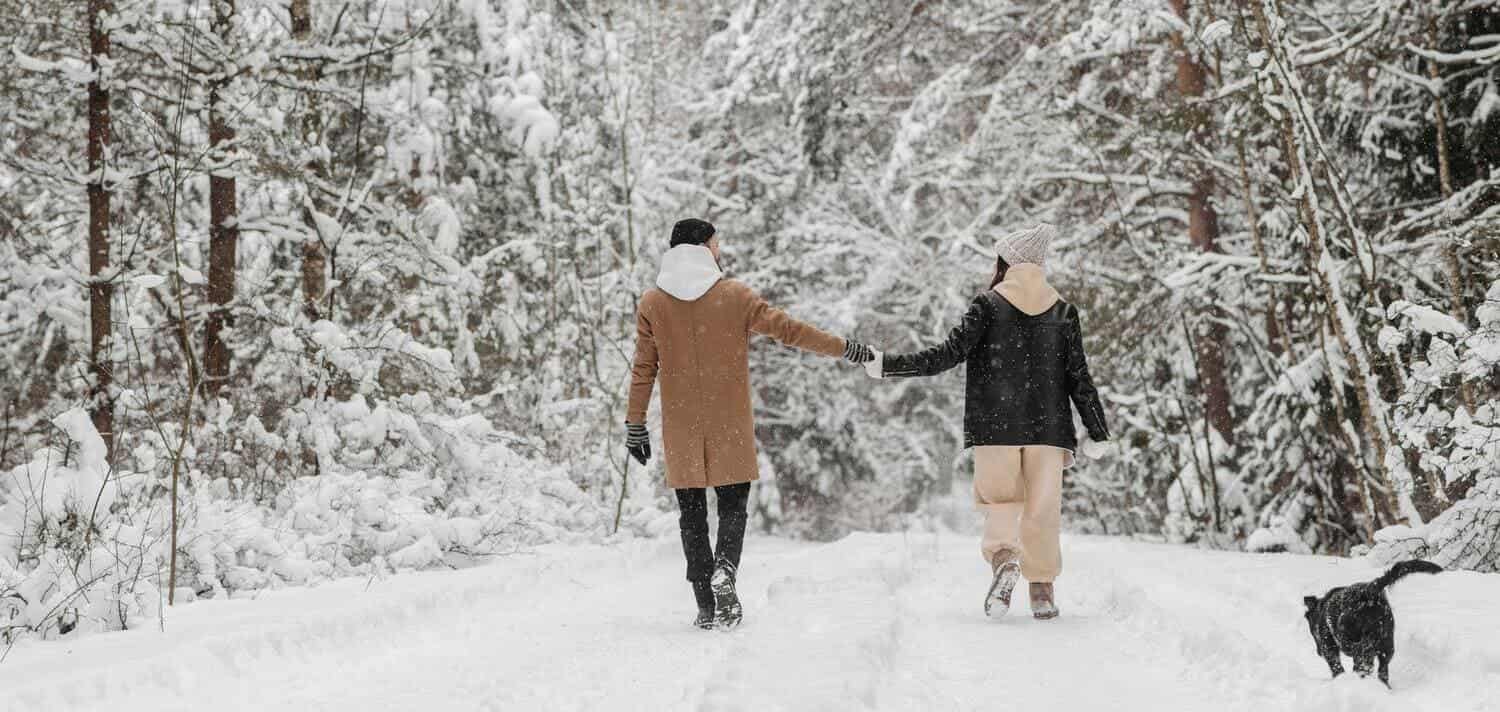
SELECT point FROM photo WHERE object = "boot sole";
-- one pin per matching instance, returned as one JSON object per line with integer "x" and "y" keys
{"x": 997, "y": 600}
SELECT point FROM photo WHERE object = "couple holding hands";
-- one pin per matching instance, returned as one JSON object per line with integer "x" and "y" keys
{"x": 1023, "y": 346}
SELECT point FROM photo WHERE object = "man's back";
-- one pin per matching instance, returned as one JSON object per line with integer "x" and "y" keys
{"x": 699, "y": 350}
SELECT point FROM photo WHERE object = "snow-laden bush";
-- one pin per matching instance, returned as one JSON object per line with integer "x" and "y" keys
{"x": 1457, "y": 439}
{"x": 1456, "y": 444}
{"x": 395, "y": 490}
{"x": 1466, "y": 536}
{"x": 74, "y": 552}
{"x": 400, "y": 484}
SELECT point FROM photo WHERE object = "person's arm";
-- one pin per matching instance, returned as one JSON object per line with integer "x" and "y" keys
{"x": 769, "y": 321}
{"x": 642, "y": 382}
{"x": 951, "y": 352}
{"x": 643, "y": 370}
{"x": 1081, "y": 385}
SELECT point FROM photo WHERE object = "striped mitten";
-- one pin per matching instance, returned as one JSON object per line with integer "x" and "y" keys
{"x": 855, "y": 352}
{"x": 638, "y": 442}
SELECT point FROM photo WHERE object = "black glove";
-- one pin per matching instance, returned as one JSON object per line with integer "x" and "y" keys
{"x": 855, "y": 352}
{"x": 638, "y": 442}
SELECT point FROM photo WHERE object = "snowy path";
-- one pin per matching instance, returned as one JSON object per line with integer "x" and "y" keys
{"x": 886, "y": 622}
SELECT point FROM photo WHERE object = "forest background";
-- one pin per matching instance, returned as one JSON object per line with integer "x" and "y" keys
{"x": 295, "y": 289}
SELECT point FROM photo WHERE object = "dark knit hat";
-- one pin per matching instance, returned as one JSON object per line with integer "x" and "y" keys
{"x": 692, "y": 231}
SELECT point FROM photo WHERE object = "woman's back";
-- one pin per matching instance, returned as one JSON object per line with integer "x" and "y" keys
{"x": 1024, "y": 352}
{"x": 1018, "y": 384}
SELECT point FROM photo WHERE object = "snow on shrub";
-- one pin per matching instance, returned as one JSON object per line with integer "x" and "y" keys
{"x": 1456, "y": 447}
{"x": 1450, "y": 439}
{"x": 1466, "y": 536}
{"x": 400, "y": 484}
{"x": 72, "y": 550}
{"x": 1284, "y": 534}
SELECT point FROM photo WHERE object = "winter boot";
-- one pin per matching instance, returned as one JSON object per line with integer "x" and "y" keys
{"x": 1007, "y": 571}
{"x": 727, "y": 611}
{"x": 1042, "y": 606}
{"x": 704, "y": 593}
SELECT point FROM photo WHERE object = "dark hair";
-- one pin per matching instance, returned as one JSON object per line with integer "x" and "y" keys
{"x": 1001, "y": 266}
{"x": 692, "y": 231}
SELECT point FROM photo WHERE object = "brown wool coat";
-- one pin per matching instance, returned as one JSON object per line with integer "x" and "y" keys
{"x": 699, "y": 350}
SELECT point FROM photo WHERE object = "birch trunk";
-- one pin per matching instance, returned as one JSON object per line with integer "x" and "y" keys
{"x": 1287, "y": 103}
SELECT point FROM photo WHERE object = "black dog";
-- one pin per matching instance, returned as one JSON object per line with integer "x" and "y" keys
{"x": 1356, "y": 620}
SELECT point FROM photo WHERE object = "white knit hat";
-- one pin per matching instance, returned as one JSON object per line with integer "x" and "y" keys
{"x": 1027, "y": 245}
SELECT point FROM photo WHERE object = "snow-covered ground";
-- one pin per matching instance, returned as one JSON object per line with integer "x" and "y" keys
{"x": 888, "y": 622}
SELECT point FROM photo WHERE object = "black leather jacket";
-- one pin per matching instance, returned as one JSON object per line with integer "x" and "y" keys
{"x": 1022, "y": 371}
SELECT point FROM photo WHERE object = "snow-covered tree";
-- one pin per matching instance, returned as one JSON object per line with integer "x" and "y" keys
{"x": 359, "y": 254}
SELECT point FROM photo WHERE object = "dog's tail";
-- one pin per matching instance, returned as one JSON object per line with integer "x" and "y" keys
{"x": 1400, "y": 570}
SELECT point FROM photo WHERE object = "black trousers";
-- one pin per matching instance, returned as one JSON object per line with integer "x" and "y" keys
{"x": 692, "y": 506}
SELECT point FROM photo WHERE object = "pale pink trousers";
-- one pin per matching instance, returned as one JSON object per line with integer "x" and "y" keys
{"x": 1019, "y": 490}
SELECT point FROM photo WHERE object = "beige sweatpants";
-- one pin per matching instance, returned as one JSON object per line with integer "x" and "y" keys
{"x": 1019, "y": 489}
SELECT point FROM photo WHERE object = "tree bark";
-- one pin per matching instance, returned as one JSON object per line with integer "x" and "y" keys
{"x": 1450, "y": 250}
{"x": 314, "y": 278}
{"x": 1445, "y": 177}
{"x": 301, "y": 12}
{"x": 314, "y": 256}
{"x": 1275, "y": 334}
{"x": 224, "y": 232}
{"x": 1203, "y": 231}
{"x": 101, "y": 289}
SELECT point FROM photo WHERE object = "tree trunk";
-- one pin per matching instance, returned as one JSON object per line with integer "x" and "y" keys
{"x": 314, "y": 278}
{"x": 301, "y": 12}
{"x": 1203, "y": 231}
{"x": 1275, "y": 334}
{"x": 224, "y": 233}
{"x": 101, "y": 290}
{"x": 1445, "y": 180}
{"x": 314, "y": 256}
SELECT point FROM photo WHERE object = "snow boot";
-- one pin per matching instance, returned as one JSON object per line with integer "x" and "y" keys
{"x": 704, "y": 593}
{"x": 1043, "y": 607}
{"x": 727, "y": 611}
{"x": 1007, "y": 571}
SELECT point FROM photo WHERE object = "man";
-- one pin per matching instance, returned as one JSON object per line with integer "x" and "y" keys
{"x": 694, "y": 332}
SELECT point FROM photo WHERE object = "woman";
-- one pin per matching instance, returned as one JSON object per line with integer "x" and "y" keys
{"x": 1024, "y": 348}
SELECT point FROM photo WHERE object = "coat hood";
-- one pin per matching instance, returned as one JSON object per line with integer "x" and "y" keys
{"x": 688, "y": 272}
{"x": 1025, "y": 287}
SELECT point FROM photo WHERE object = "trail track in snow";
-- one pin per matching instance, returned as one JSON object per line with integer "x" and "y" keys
{"x": 871, "y": 622}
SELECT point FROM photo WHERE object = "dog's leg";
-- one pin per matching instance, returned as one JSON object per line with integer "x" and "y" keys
{"x": 1335, "y": 663}
{"x": 1331, "y": 655}
{"x": 1363, "y": 664}
{"x": 1385, "y": 662}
